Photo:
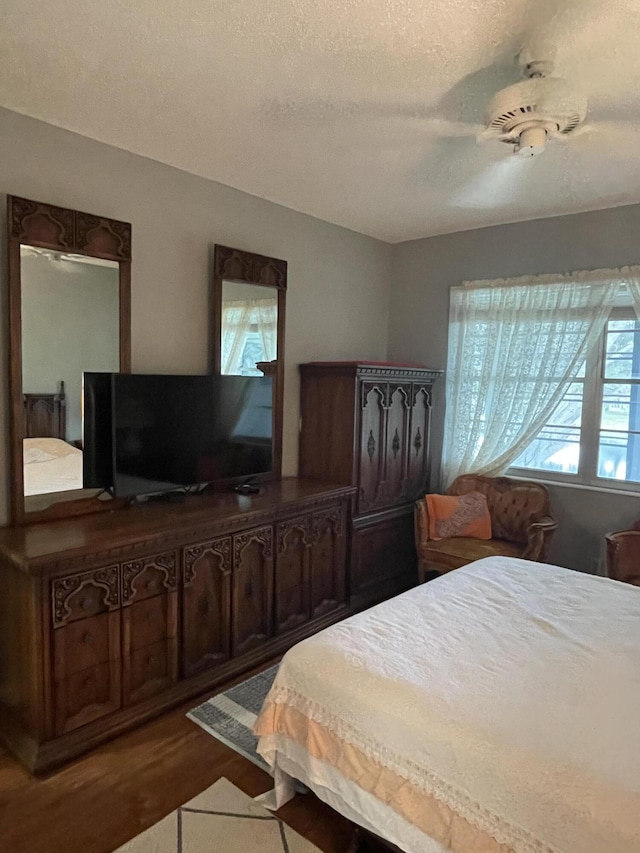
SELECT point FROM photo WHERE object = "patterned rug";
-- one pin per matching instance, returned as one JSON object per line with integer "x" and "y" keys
{"x": 230, "y": 716}
{"x": 220, "y": 820}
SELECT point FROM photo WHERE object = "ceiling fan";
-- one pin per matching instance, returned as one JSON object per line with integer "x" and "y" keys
{"x": 527, "y": 114}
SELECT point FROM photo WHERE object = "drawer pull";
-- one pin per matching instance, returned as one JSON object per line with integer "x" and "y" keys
{"x": 151, "y": 616}
{"x": 88, "y": 681}
{"x": 151, "y": 660}
{"x": 86, "y": 638}
{"x": 86, "y": 603}
{"x": 152, "y": 585}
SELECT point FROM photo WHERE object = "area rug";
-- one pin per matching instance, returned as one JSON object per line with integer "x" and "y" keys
{"x": 220, "y": 820}
{"x": 230, "y": 716}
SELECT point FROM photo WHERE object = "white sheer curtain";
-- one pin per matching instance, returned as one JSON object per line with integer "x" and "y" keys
{"x": 514, "y": 347}
{"x": 267, "y": 321}
{"x": 238, "y": 320}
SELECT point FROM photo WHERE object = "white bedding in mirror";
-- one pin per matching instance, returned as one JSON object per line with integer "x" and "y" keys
{"x": 50, "y": 465}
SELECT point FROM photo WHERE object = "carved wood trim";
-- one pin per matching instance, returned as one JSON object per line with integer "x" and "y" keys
{"x": 167, "y": 563}
{"x": 405, "y": 390}
{"x": 63, "y": 588}
{"x": 419, "y": 374}
{"x": 51, "y": 227}
{"x": 219, "y": 547}
{"x": 284, "y": 528}
{"x": 416, "y": 389}
{"x": 329, "y": 519}
{"x": 263, "y": 535}
{"x": 367, "y": 388}
{"x": 239, "y": 265}
{"x": 102, "y": 237}
{"x": 41, "y": 224}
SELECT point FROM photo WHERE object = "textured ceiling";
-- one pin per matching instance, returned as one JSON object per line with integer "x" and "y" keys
{"x": 331, "y": 107}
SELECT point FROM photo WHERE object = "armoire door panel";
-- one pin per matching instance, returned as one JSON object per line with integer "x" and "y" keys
{"x": 397, "y": 435}
{"x": 252, "y": 595}
{"x": 292, "y": 586}
{"x": 206, "y": 605}
{"x": 418, "y": 443}
{"x": 372, "y": 444}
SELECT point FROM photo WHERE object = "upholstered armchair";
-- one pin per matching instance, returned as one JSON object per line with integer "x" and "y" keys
{"x": 521, "y": 525}
{"x": 623, "y": 555}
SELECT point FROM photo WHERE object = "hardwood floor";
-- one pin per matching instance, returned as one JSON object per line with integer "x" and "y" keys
{"x": 106, "y": 797}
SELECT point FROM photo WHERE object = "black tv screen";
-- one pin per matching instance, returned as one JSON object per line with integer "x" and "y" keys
{"x": 173, "y": 431}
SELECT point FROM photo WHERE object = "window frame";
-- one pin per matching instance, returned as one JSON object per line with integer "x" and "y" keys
{"x": 593, "y": 391}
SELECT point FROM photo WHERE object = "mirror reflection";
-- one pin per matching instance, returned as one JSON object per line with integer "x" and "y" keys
{"x": 70, "y": 324}
{"x": 249, "y": 328}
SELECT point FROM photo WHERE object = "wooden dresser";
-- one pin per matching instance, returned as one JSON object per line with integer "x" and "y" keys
{"x": 108, "y": 619}
{"x": 367, "y": 425}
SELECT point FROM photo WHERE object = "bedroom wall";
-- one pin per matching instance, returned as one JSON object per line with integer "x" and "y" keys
{"x": 338, "y": 288}
{"x": 423, "y": 272}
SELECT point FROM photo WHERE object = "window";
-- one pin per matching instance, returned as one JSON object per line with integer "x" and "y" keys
{"x": 593, "y": 435}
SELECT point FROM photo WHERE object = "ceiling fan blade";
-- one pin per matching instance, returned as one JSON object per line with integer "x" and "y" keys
{"x": 621, "y": 131}
{"x": 322, "y": 110}
{"x": 498, "y": 184}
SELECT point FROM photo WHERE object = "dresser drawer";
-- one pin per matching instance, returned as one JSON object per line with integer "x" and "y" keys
{"x": 149, "y": 671}
{"x": 85, "y": 644}
{"x": 86, "y": 696}
{"x": 147, "y": 621}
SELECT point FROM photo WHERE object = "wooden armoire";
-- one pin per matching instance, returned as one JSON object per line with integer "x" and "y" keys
{"x": 367, "y": 425}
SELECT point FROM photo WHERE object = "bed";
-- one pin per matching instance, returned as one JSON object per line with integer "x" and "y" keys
{"x": 50, "y": 463}
{"x": 494, "y": 709}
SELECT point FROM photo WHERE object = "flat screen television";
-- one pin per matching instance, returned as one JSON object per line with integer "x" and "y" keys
{"x": 146, "y": 433}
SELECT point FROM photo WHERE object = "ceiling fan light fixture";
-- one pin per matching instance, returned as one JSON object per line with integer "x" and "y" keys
{"x": 531, "y": 142}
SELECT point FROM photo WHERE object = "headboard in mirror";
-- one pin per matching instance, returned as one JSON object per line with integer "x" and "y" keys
{"x": 249, "y": 296}
{"x": 69, "y": 312}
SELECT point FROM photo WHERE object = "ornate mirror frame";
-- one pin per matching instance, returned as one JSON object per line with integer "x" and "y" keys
{"x": 236, "y": 265}
{"x": 45, "y": 226}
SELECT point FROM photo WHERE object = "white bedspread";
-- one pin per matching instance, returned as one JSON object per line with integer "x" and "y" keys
{"x": 50, "y": 465}
{"x": 508, "y": 690}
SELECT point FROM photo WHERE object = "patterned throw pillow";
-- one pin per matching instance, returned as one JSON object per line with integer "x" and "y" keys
{"x": 458, "y": 515}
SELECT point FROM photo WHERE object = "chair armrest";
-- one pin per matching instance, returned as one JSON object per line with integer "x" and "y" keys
{"x": 539, "y": 535}
{"x": 421, "y": 523}
{"x": 623, "y": 556}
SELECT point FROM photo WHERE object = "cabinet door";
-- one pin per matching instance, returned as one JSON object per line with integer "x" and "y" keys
{"x": 292, "y": 580}
{"x": 418, "y": 443}
{"x": 149, "y": 626}
{"x": 393, "y": 485}
{"x": 206, "y": 605}
{"x": 328, "y": 560}
{"x": 383, "y": 559}
{"x": 372, "y": 437}
{"x": 86, "y": 647}
{"x": 252, "y": 588}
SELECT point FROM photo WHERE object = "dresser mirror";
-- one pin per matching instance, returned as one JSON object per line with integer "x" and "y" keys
{"x": 249, "y": 293}
{"x": 69, "y": 303}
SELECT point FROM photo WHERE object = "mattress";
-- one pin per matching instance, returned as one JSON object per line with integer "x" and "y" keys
{"x": 494, "y": 709}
